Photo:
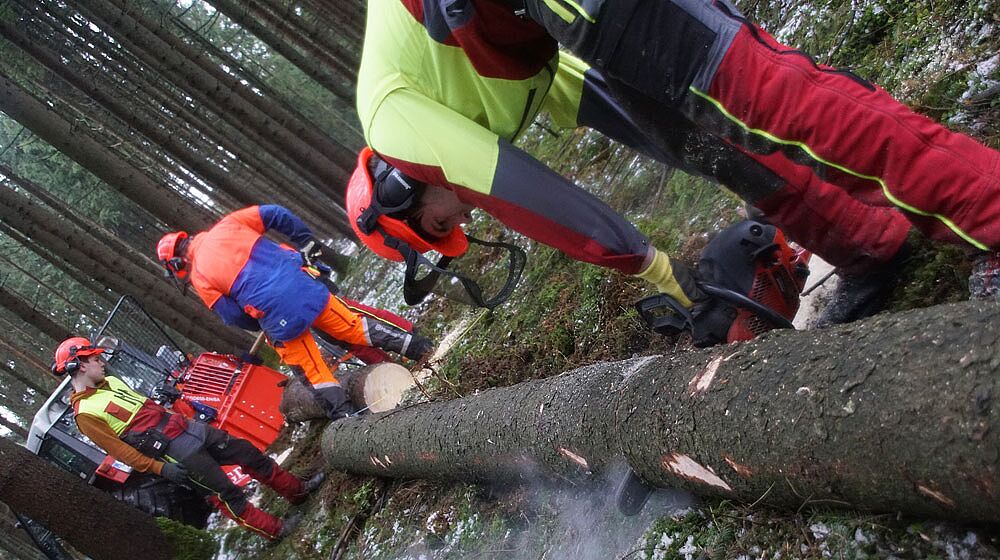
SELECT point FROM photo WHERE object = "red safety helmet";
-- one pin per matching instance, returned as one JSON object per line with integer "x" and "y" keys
{"x": 371, "y": 200}
{"x": 368, "y": 213}
{"x": 166, "y": 252}
{"x": 67, "y": 358}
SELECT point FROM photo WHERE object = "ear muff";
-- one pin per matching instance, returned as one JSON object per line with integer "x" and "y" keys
{"x": 72, "y": 365}
{"x": 392, "y": 193}
{"x": 175, "y": 264}
{"x": 67, "y": 359}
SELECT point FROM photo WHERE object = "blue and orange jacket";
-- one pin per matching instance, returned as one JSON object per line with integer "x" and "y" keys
{"x": 252, "y": 282}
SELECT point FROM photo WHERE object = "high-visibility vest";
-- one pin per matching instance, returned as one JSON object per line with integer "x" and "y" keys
{"x": 116, "y": 404}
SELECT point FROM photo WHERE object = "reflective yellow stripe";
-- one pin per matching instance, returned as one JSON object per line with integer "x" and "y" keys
{"x": 583, "y": 13}
{"x": 560, "y": 11}
{"x": 236, "y": 518}
{"x": 885, "y": 188}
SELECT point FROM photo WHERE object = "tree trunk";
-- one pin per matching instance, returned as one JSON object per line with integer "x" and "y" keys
{"x": 94, "y": 287}
{"x": 83, "y": 251}
{"x": 16, "y": 429}
{"x": 99, "y": 232}
{"x": 309, "y": 146}
{"x": 55, "y": 293}
{"x": 894, "y": 413}
{"x": 309, "y": 63}
{"x": 92, "y": 521}
{"x": 162, "y": 201}
{"x": 282, "y": 185}
{"x": 27, "y": 313}
{"x": 35, "y": 383}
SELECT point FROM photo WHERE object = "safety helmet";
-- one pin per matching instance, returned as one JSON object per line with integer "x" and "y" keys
{"x": 68, "y": 354}
{"x": 370, "y": 200}
{"x": 166, "y": 252}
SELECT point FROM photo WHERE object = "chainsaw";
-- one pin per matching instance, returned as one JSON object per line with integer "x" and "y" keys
{"x": 753, "y": 277}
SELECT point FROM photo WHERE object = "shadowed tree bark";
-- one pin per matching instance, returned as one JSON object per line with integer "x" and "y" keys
{"x": 92, "y": 521}
{"x": 894, "y": 413}
{"x": 279, "y": 34}
{"x": 117, "y": 271}
{"x": 27, "y": 313}
{"x": 160, "y": 200}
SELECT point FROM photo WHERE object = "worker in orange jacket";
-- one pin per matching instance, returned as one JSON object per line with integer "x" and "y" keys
{"x": 254, "y": 283}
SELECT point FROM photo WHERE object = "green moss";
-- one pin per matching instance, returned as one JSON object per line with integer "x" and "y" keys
{"x": 188, "y": 542}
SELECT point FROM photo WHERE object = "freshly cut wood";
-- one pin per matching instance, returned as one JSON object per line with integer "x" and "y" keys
{"x": 380, "y": 387}
{"x": 894, "y": 413}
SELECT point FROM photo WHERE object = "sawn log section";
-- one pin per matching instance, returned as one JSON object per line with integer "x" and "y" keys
{"x": 895, "y": 413}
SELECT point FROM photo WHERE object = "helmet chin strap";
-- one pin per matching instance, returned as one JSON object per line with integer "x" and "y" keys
{"x": 182, "y": 287}
{"x": 414, "y": 291}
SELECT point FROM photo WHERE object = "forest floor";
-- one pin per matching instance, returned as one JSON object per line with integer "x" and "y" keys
{"x": 937, "y": 56}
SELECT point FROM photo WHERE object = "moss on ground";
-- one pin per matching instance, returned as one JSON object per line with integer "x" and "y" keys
{"x": 190, "y": 543}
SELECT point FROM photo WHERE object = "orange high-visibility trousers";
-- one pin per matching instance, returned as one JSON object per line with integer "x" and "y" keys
{"x": 336, "y": 320}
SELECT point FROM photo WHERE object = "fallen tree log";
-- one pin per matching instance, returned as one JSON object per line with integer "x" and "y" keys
{"x": 895, "y": 413}
{"x": 378, "y": 387}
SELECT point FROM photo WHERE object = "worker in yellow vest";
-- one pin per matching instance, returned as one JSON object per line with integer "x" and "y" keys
{"x": 144, "y": 435}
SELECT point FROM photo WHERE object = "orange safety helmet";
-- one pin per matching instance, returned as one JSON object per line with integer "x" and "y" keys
{"x": 166, "y": 252}
{"x": 368, "y": 213}
{"x": 67, "y": 358}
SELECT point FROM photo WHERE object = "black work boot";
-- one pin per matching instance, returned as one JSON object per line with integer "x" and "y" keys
{"x": 289, "y": 523}
{"x": 857, "y": 297}
{"x": 984, "y": 280}
{"x": 313, "y": 483}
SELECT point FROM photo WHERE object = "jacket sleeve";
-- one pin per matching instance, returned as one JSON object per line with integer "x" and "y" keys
{"x": 437, "y": 145}
{"x": 227, "y": 308}
{"x": 104, "y": 437}
{"x": 282, "y": 220}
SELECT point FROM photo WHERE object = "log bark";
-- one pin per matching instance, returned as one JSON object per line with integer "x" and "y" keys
{"x": 79, "y": 513}
{"x": 895, "y": 413}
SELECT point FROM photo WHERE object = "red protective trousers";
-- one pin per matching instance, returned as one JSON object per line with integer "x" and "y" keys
{"x": 829, "y": 134}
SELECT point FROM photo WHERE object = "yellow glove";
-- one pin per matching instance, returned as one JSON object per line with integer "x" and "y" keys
{"x": 672, "y": 278}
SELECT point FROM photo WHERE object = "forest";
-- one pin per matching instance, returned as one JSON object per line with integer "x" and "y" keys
{"x": 125, "y": 120}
